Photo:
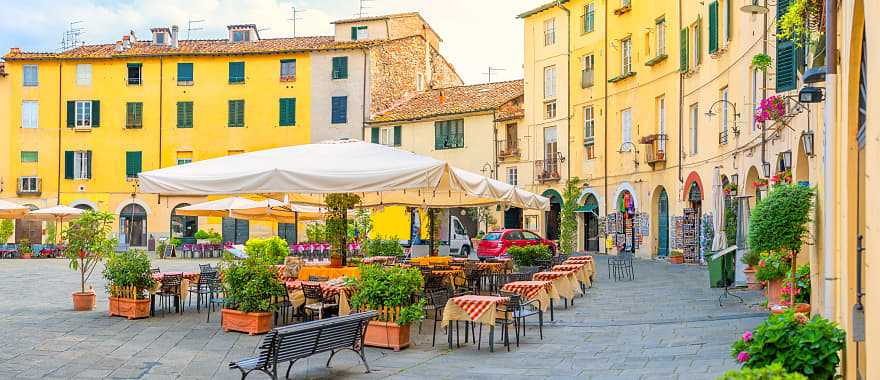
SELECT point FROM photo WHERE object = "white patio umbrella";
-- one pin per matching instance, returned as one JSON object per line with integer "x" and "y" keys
{"x": 59, "y": 213}
{"x": 243, "y": 208}
{"x": 10, "y": 210}
{"x": 380, "y": 175}
{"x": 720, "y": 240}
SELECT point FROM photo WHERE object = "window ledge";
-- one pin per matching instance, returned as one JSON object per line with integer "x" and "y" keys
{"x": 286, "y": 79}
{"x": 656, "y": 60}
{"x": 185, "y": 83}
{"x": 622, "y": 10}
{"x": 82, "y": 129}
{"x": 622, "y": 77}
{"x": 135, "y": 128}
{"x": 718, "y": 53}
{"x": 236, "y": 83}
{"x": 691, "y": 72}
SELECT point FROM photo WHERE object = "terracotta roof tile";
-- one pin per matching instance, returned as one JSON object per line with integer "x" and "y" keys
{"x": 540, "y": 9}
{"x": 198, "y": 47}
{"x": 451, "y": 101}
{"x": 373, "y": 18}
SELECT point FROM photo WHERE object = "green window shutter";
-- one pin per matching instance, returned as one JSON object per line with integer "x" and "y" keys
{"x": 184, "y": 72}
{"x": 713, "y": 27}
{"x": 29, "y": 156}
{"x": 68, "y": 164}
{"x": 236, "y": 113}
{"x": 71, "y": 114}
{"x": 397, "y": 136}
{"x": 354, "y": 33}
{"x": 184, "y": 114}
{"x": 340, "y": 67}
{"x": 236, "y": 72}
{"x": 374, "y": 135}
{"x": 684, "y": 50}
{"x": 698, "y": 41}
{"x": 133, "y": 164}
{"x": 287, "y": 111}
{"x": 88, "y": 164}
{"x": 240, "y": 115}
{"x": 134, "y": 115}
{"x": 729, "y": 20}
{"x": 96, "y": 114}
{"x": 786, "y": 55}
{"x": 231, "y": 114}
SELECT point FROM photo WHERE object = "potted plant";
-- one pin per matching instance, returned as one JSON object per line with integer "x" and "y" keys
{"x": 770, "y": 109}
{"x": 730, "y": 189}
{"x": 7, "y": 228}
{"x": 337, "y": 225}
{"x": 390, "y": 291}
{"x": 800, "y": 290}
{"x": 771, "y": 269}
{"x": 271, "y": 250}
{"x": 529, "y": 255}
{"x": 751, "y": 259}
{"x": 773, "y": 371}
{"x": 89, "y": 240}
{"x": 250, "y": 287}
{"x": 762, "y": 61}
{"x": 128, "y": 279}
{"x": 202, "y": 237}
{"x": 382, "y": 247}
{"x": 794, "y": 341}
{"x": 676, "y": 256}
{"x": 24, "y": 248}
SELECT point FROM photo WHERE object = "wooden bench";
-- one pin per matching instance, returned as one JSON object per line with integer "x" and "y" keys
{"x": 291, "y": 343}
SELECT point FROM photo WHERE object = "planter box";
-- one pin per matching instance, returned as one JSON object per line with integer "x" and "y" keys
{"x": 773, "y": 292}
{"x": 387, "y": 335}
{"x": 83, "y": 301}
{"x": 751, "y": 282}
{"x": 676, "y": 259}
{"x": 250, "y": 323}
{"x": 129, "y": 307}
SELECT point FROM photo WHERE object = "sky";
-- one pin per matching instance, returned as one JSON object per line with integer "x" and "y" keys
{"x": 476, "y": 33}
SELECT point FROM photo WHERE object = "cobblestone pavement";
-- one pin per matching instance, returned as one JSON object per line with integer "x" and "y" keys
{"x": 664, "y": 325}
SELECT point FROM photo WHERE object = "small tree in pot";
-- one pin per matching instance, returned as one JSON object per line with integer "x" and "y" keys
{"x": 250, "y": 288}
{"x": 390, "y": 291}
{"x": 337, "y": 225}
{"x": 128, "y": 276}
{"x": 88, "y": 241}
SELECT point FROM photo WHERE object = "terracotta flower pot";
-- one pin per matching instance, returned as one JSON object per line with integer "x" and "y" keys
{"x": 83, "y": 301}
{"x": 250, "y": 323}
{"x": 773, "y": 292}
{"x": 753, "y": 283}
{"x": 798, "y": 308}
{"x": 387, "y": 335}
{"x": 129, "y": 307}
{"x": 335, "y": 261}
{"x": 676, "y": 259}
{"x": 27, "y": 255}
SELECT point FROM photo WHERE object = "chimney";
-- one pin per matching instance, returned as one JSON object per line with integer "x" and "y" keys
{"x": 174, "y": 30}
{"x": 14, "y": 51}
{"x": 133, "y": 37}
{"x": 126, "y": 42}
{"x": 118, "y": 47}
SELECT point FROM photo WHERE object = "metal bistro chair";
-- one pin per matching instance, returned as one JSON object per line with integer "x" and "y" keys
{"x": 313, "y": 292}
{"x": 170, "y": 291}
{"x": 206, "y": 268}
{"x": 519, "y": 310}
{"x": 155, "y": 270}
{"x": 544, "y": 264}
{"x": 620, "y": 267}
{"x": 202, "y": 288}
{"x": 215, "y": 297}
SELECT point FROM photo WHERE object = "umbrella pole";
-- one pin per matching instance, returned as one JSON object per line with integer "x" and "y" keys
{"x": 431, "y": 226}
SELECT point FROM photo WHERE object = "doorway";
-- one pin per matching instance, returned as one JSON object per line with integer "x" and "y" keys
{"x": 184, "y": 227}
{"x": 30, "y": 230}
{"x": 591, "y": 223}
{"x": 513, "y": 218}
{"x": 663, "y": 224}
{"x": 236, "y": 231}
{"x": 133, "y": 226}
{"x": 552, "y": 217}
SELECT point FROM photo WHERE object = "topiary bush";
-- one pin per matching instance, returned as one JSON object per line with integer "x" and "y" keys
{"x": 779, "y": 222}
{"x": 529, "y": 255}
{"x": 271, "y": 250}
{"x": 382, "y": 247}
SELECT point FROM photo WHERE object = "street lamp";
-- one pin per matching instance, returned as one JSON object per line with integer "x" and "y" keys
{"x": 807, "y": 140}
{"x": 766, "y": 167}
{"x": 736, "y": 115}
{"x": 786, "y": 159}
{"x": 735, "y": 179}
{"x": 754, "y": 8}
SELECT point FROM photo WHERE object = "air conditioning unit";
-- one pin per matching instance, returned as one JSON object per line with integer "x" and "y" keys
{"x": 29, "y": 185}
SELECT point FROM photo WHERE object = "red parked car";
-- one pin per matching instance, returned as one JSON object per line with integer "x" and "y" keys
{"x": 495, "y": 243}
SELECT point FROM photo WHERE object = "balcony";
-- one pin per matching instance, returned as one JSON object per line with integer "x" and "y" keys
{"x": 656, "y": 150}
{"x": 548, "y": 170}
{"x": 507, "y": 149}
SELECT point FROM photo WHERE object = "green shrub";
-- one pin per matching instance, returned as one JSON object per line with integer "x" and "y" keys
{"x": 316, "y": 232}
{"x": 7, "y": 228}
{"x": 529, "y": 255}
{"x": 382, "y": 247}
{"x": 390, "y": 287}
{"x": 751, "y": 258}
{"x": 802, "y": 345}
{"x": 88, "y": 240}
{"x": 773, "y": 266}
{"x": 770, "y": 372}
{"x": 210, "y": 236}
{"x": 128, "y": 269}
{"x": 271, "y": 250}
{"x": 250, "y": 285}
{"x": 779, "y": 222}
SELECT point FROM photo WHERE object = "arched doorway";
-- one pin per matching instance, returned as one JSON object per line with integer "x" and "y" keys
{"x": 625, "y": 210}
{"x": 802, "y": 168}
{"x": 751, "y": 190}
{"x": 662, "y": 222}
{"x": 30, "y": 230}
{"x": 553, "y": 217}
{"x": 133, "y": 225}
{"x": 513, "y": 218}
{"x": 590, "y": 213}
{"x": 184, "y": 227}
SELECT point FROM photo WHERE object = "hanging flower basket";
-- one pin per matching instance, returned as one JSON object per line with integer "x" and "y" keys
{"x": 771, "y": 109}
{"x": 760, "y": 183}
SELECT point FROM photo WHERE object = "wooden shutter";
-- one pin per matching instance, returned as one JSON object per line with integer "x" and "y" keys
{"x": 71, "y": 114}
{"x": 786, "y": 55}
{"x": 354, "y": 33}
{"x": 88, "y": 164}
{"x": 439, "y": 128}
{"x": 698, "y": 41}
{"x": 286, "y": 111}
{"x": 684, "y": 50}
{"x": 397, "y": 136}
{"x": 374, "y": 135}
{"x": 713, "y": 27}
{"x": 340, "y": 67}
{"x": 133, "y": 164}
{"x": 339, "y": 110}
{"x": 68, "y": 164}
{"x": 236, "y": 72}
{"x": 184, "y": 72}
{"x": 96, "y": 114}
{"x": 236, "y": 113}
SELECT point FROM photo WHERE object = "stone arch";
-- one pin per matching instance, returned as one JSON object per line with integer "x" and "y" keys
{"x": 692, "y": 179}
{"x": 582, "y": 198}
{"x": 79, "y": 203}
{"x": 137, "y": 201}
{"x": 626, "y": 186}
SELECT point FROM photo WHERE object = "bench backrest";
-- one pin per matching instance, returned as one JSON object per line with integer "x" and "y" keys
{"x": 306, "y": 339}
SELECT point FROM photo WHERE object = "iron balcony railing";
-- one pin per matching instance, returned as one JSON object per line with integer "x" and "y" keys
{"x": 547, "y": 170}
{"x": 722, "y": 137}
{"x": 656, "y": 150}
{"x": 507, "y": 149}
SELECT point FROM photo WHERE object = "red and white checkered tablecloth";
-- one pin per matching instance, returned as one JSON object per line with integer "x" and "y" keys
{"x": 578, "y": 259}
{"x": 527, "y": 289}
{"x": 476, "y": 306}
{"x": 550, "y": 275}
{"x": 192, "y": 276}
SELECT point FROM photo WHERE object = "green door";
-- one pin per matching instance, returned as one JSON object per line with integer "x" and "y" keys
{"x": 663, "y": 224}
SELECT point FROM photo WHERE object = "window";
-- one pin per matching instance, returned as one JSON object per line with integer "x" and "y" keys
{"x": 661, "y": 122}
{"x": 589, "y": 18}
{"x": 83, "y": 114}
{"x": 589, "y": 131}
{"x": 625, "y": 56}
{"x": 684, "y": 56}
{"x": 29, "y": 184}
{"x": 724, "y": 115}
{"x": 30, "y": 114}
{"x": 184, "y": 157}
{"x": 661, "y": 36}
{"x": 626, "y": 129}
{"x": 135, "y": 73}
{"x": 550, "y": 148}
{"x": 133, "y": 164}
{"x": 288, "y": 70}
{"x": 29, "y": 156}
{"x": 726, "y": 29}
{"x": 84, "y": 74}
{"x": 588, "y": 64}
{"x": 160, "y": 38}
{"x": 184, "y": 161}
{"x": 359, "y": 33}
{"x": 449, "y": 134}
{"x": 549, "y": 32}
{"x": 339, "y": 110}
{"x": 340, "y": 68}
{"x": 134, "y": 115}
{"x": 550, "y": 82}
{"x": 236, "y": 72}
{"x": 386, "y": 136}
{"x": 550, "y": 109}
{"x": 420, "y": 82}
{"x": 698, "y": 43}
{"x": 184, "y": 74}
{"x": 757, "y": 81}
{"x": 625, "y": 3}
{"x": 184, "y": 114}
{"x": 287, "y": 112}
{"x": 512, "y": 175}
{"x": 30, "y": 75}
{"x": 695, "y": 118}
{"x": 236, "y": 114}
{"x": 241, "y": 36}
{"x": 78, "y": 164}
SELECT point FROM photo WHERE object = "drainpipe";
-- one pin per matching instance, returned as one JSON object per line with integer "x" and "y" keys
{"x": 567, "y": 84}
{"x": 681, "y": 108}
{"x": 828, "y": 151}
{"x": 60, "y": 128}
{"x": 364, "y": 115}
{"x": 605, "y": 119}
{"x": 161, "y": 87}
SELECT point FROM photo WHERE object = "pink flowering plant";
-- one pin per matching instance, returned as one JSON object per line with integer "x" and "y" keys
{"x": 772, "y": 109}
{"x": 800, "y": 344}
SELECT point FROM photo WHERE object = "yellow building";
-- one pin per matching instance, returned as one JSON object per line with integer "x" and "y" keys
{"x": 84, "y": 122}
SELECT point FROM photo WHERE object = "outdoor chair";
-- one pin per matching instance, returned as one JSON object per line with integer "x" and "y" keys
{"x": 321, "y": 303}
{"x": 544, "y": 264}
{"x": 155, "y": 270}
{"x": 215, "y": 297}
{"x": 472, "y": 276}
{"x": 284, "y": 310}
{"x": 559, "y": 259}
{"x": 516, "y": 311}
{"x": 202, "y": 288}
{"x": 436, "y": 303}
{"x": 530, "y": 270}
{"x": 620, "y": 267}
{"x": 170, "y": 291}
{"x": 434, "y": 282}
{"x": 520, "y": 276}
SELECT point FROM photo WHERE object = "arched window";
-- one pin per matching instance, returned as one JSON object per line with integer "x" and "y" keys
{"x": 183, "y": 226}
{"x": 133, "y": 225}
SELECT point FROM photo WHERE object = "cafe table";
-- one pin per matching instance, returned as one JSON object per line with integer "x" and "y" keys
{"x": 328, "y": 272}
{"x": 565, "y": 282}
{"x": 183, "y": 290}
{"x": 581, "y": 260}
{"x": 298, "y": 298}
{"x": 473, "y": 309}
{"x": 431, "y": 260}
{"x": 582, "y": 272}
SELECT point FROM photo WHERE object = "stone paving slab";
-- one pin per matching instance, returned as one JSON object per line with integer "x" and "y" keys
{"x": 664, "y": 325}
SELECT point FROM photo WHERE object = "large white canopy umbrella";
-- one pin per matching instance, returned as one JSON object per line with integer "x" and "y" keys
{"x": 380, "y": 175}
{"x": 9, "y": 210}
{"x": 243, "y": 208}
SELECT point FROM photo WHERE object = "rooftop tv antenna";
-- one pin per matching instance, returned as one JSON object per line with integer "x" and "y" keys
{"x": 294, "y": 12}
{"x": 71, "y": 37}
{"x": 189, "y": 27}
{"x": 489, "y": 72}
{"x": 362, "y": 8}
